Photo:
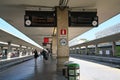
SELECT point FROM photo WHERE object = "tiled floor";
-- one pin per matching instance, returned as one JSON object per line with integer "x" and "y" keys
{"x": 29, "y": 70}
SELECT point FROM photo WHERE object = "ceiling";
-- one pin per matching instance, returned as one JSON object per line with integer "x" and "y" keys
{"x": 13, "y": 12}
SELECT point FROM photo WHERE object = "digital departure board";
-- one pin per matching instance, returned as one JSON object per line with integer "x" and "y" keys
{"x": 40, "y": 19}
{"x": 83, "y": 19}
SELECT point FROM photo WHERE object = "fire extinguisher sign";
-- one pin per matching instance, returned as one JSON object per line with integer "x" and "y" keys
{"x": 63, "y": 32}
{"x": 63, "y": 37}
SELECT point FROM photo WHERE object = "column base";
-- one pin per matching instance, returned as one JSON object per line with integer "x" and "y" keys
{"x": 60, "y": 62}
{"x": 54, "y": 56}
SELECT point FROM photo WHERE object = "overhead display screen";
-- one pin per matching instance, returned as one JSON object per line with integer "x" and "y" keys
{"x": 83, "y": 19}
{"x": 40, "y": 19}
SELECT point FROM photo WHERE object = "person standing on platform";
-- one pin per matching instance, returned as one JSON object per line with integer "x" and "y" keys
{"x": 45, "y": 54}
{"x": 35, "y": 55}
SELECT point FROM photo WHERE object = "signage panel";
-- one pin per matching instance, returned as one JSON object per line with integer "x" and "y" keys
{"x": 83, "y": 19}
{"x": 46, "y": 40}
{"x": 63, "y": 32}
{"x": 63, "y": 42}
{"x": 40, "y": 19}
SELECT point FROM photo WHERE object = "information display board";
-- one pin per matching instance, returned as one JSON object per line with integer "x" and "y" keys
{"x": 83, "y": 19}
{"x": 40, "y": 19}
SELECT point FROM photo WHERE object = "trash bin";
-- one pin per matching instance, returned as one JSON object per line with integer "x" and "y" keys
{"x": 73, "y": 71}
{"x": 65, "y": 69}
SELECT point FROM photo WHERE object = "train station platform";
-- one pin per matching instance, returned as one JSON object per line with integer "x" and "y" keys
{"x": 46, "y": 70}
{"x": 29, "y": 70}
{"x": 109, "y": 61}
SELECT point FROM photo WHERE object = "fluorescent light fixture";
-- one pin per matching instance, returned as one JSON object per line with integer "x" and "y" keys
{"x": 1, "y": 42}
{"x": 24, "y": 47}
{"x": 16, "y": 45}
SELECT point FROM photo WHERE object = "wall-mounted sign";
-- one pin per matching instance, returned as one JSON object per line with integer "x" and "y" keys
{"x": 83, "y": 19}
{"x": 40, "y": 19}
{"x": 63, "y": 41}
{"x": 63, "y": 32}
{"x": 46, "y": 40}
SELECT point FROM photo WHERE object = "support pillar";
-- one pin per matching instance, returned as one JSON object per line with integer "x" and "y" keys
{"x": 20, "y": 51}
{"x": 96, "y": 49}
{"x": 72, "y": 50}
{"x": 75, "y": 50}
{"x": 54, "y": 47}
{"x": 27, "y": 52}
{"x": 113, "y": 48}
{"x": 86, "y": 50}
{"x": 17, "y": 52}
{"x": 62, "y": 38}
{"x": 1, "y": 51}
{"x": 30, "y": 50}
{"x": 9, "y": 50}
{"x": 79, "y": 50}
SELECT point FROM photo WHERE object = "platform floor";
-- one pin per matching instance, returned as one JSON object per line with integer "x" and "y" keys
{"x": 89, "y": 70}
{"x": 29, "y": 70}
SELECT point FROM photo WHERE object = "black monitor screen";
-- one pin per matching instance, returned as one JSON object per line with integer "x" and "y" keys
{"x": 40, "y": 19}
{"x": 83, "y": 19}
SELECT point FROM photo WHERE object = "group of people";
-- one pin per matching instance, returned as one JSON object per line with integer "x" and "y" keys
{"x": 44, "y": 52}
